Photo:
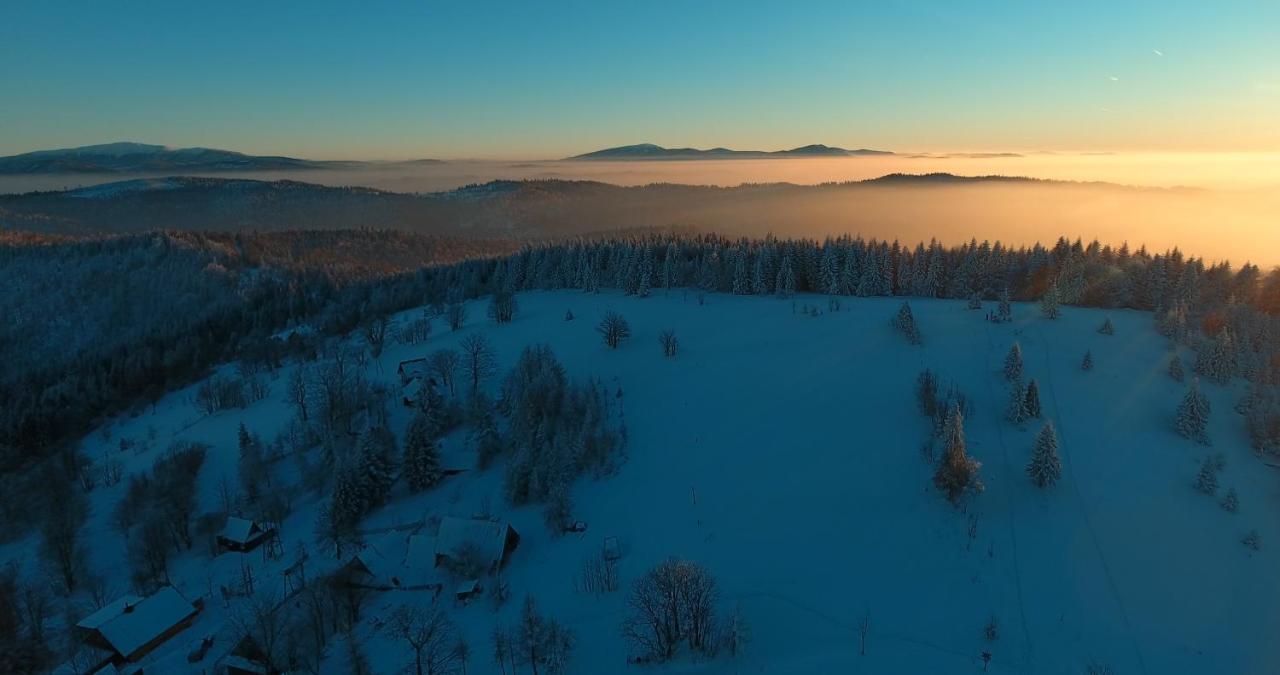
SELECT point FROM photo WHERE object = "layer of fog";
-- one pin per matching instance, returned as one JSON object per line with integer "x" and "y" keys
{"x": 1234, "y": 214}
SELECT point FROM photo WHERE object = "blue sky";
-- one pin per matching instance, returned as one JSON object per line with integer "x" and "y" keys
{"x": 526, "y": 79}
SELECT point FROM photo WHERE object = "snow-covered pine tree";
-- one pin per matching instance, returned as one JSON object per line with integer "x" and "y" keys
{"x": 376, "y": 465}
{"x": 1087, "y": 362}
{"x": 957, "y": 473}
{"x": 1175, "y": 368}
{"x": 1051, "y": 301}
{"x": 1231, "y": 501}
{"x": 1013, "y": 363}
{"x": 421, "y": 454}
{"x": 1207, "y": 479}
{"x": 905, "y": 322}
{"x": 786, "y": 278}
{"x": 1107, "y": 328}
{"x": 741, "y": 277}
{"x": 975, "y": 301}
{"x": 1032, "y": 403}
{"x": 1045, "y": 466}
{"x": 1192, "y": 417}
{"x": 1016, "y": 410}
{"x": 1004, "y": 311}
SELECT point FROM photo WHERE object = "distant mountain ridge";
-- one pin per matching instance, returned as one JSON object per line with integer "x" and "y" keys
{"x": 643, "y": 151}
{"x": 130, "y": 157}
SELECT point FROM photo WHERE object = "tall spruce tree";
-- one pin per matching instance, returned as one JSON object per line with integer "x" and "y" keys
{"x": 1175, "y": 368}
{"x": 1013, "y": 363}
{"x": 421, "y": 454}
{"x": 1087, "y": 362}
{"x": 957, "y": 473}
{"x": 1192, "y": 417}
{"x": 1032, "y": 403}
{"x": 1050, "y": 302}
{"x": 1045, "y": 466}
{"x": 1016, "y": 410}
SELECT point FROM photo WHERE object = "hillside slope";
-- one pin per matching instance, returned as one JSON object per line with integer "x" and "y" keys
{"x": 781, "y": 450}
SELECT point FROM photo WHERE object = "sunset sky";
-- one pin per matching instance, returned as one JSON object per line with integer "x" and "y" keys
{"x": 540, "y": 80}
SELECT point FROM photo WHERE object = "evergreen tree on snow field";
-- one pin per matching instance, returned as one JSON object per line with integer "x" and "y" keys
{"x": 1207, "y": 479}
{"x": 957, "y": 473}
{"x": 1107, "y": 328}
{"x": 1175, "y": 368}
{"x": 1050, "y": 302}
{"x": 1231, "y": 501}
{"x": 421, "y": 454}
{"x": 1045, "y": 466}
{"x": 786, "y": 283}
{"x": 376, "y": 465}
{"x": 1004, "y": 311}
{"x": 1087, "y": 362}
{"x": 1032, "y": 404}
{"x": 905, "y": 322}
{"x": 1016, "y": 409}
{"x": 1192, "y": 417}
{"x": 1013, "y": 363}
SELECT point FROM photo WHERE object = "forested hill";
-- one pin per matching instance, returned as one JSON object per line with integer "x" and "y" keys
{"x": 533, "y": 208}
{"x": 96, "y": 325}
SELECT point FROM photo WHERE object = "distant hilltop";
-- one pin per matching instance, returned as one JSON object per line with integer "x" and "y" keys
{"x": 651, "y": 151}
{"x": 146, "y": 158}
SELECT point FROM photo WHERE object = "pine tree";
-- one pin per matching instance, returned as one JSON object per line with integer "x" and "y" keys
{"x": 1045, "y": 467}
{"x": 1004, "y": 311}
{"x": 1033, "y": 399}
{"x": 1013, "y": 363}
{"x": 1087, "y": 362}
{"x": 786, "y": 278}
{"x": 1107, "y": 328}
{"x": 975, "y": 301}
{"x": 1193, "y": 415}
{"x": 1049, "y": 303}
{"x": 1175, "y": 368}
{"x": 957, "y": 474}
{"x": 1207, "y": 479}
{"x": 1016, "y": 410}
{"x": 421, "y": 454}
{"x": 1231, "y": 502}
{"x": 376, "y": 465}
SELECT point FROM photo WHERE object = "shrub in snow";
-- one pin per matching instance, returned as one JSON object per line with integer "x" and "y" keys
{"x": 991, "y": 631}
{"x": 539, "y": 641}
{"x": 1207, "y": 479}
{"x": 927, "y": 393}
{"x": 1192, "y": 416}
{"x": 737, "y": 634}
{"x": 614, "y": 329}
{"x": 1107, "y": 328}
{"x": 975, "y": 301}
{"x": 568, "y": 315}
{"x": 1013, "y": 363}
{"x": 1252, "y": 540}
{"x": 1231, "y": 501}
{"x": 1087, "y": 362}
{"x": 670, "y": 344}
{"x": 957, "y": 473}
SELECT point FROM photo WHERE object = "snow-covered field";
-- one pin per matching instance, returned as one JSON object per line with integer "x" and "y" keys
{"x": 782, "y": 451}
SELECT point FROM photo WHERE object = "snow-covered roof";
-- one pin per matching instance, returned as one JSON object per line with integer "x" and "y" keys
{"x": 240, "y": 530}
{"x": 467, "y": 587}
{"x": 110, "y": 611}
{"x": 148, "y": 619}
{"x": 488, "y": 536}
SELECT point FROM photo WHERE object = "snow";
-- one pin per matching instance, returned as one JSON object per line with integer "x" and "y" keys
{"x": 238, "y": 530}
{"x": 781, "y": 451}
{"x": 488, "y": 536}
{"x": 108, "y": 612}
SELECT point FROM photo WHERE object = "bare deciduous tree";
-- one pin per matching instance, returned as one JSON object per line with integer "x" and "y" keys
{"x": 437, "y": 647}
{"x": 478, "y": 359}
{"x": 614, "y": 329}
{"x": 444, "y": 365}
{"x": 672, "y": 603}
{"x": 670, "y": 344}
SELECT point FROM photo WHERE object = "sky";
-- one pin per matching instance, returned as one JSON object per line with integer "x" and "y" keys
{"x": 517, "y": 79}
